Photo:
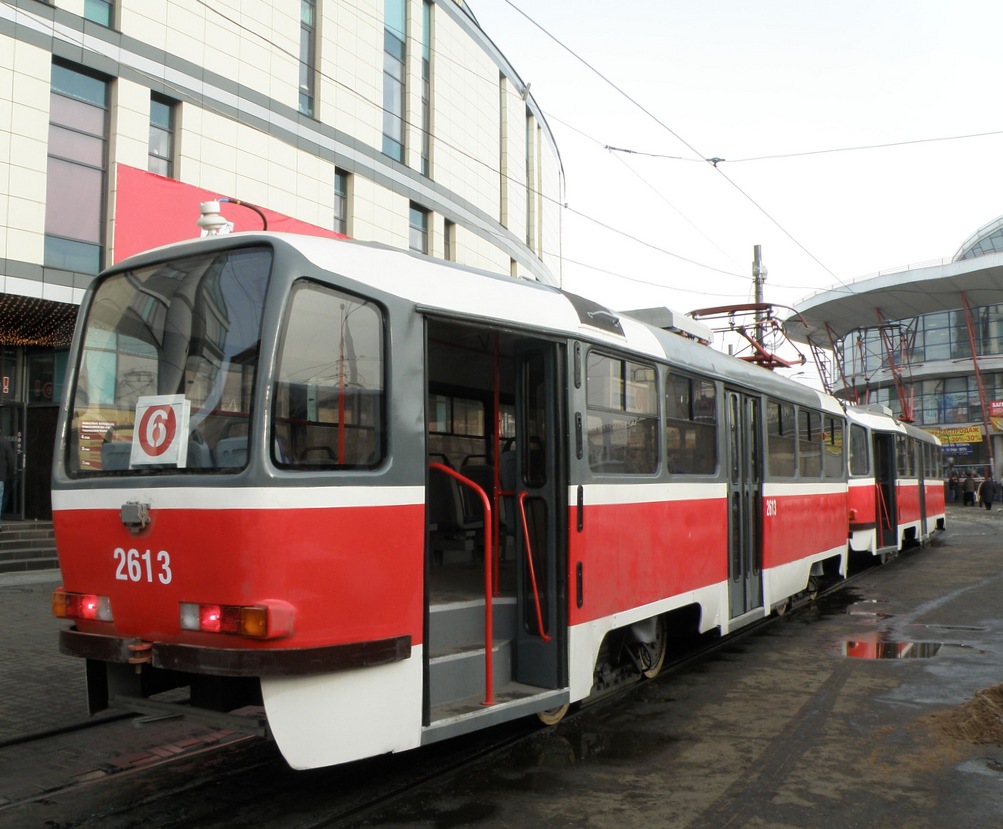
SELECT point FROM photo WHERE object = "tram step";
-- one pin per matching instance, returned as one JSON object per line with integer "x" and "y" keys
{"x": 456, "y": 674}
{"x": 461, "y": 624}
{"x": 511, "y": 700}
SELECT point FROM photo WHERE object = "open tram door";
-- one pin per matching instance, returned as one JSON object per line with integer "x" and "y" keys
{"x": 495, "y": 624}
{"x": 540, "y": 516}
{"x": 745, "y": 496}
{"x": 884, "y": 490}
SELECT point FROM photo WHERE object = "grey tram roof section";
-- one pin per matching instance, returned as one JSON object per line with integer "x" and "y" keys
{"x": 896, "y": 296}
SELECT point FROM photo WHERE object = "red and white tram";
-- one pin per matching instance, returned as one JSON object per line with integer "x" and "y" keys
{"x": 367, "y": 500}
{"x": 896, "y": 482}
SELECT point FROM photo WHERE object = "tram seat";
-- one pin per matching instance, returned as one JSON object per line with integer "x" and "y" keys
{"x": 232, "y": 452}
{"x": 450, "y": 530}
{"x": 199, "y": 454}
{"x": 483, "y": 475}
{"x": 116, "y": 455}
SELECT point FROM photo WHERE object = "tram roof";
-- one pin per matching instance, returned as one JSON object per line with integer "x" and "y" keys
{"x": 899, "y": 296}
{"x": 458, "y": 292}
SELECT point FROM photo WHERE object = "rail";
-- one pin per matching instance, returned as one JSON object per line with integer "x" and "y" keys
{"x": 529, "y": 562}
{"x": 489, "y": 682}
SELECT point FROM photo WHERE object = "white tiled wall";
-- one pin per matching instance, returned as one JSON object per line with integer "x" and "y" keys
{"x": 256, "y": 45}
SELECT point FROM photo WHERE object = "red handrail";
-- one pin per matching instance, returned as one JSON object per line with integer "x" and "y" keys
{"x": 529, "y": 561}
{"x": 489, "y": 682}
{"x": 883, "y": 511}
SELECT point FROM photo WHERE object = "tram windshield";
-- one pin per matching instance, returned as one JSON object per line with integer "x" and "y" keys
{"x": 165, "y": 375}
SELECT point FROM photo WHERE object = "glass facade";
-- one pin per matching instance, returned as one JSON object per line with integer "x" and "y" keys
{"x": 931, "y": 338}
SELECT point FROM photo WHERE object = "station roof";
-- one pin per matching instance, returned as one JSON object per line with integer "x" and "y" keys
{"x": 897, "y": 296}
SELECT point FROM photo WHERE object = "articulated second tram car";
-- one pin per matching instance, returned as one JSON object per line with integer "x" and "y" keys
{"x": 896, "y": 483}
{"x": 360, "y": 500}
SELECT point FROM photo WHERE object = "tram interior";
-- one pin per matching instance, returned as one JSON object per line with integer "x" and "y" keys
{"x": 469, "y": 434}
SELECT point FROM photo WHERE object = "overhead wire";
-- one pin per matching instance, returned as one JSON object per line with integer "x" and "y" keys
{"x": 699, "y": 156}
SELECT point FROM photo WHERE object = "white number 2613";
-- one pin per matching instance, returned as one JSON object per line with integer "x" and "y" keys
{"x": 136, "y": 566}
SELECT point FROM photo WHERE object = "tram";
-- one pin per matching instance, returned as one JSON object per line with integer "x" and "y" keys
{"x": 896, "y": 483}
{"x": 359, "y": 500}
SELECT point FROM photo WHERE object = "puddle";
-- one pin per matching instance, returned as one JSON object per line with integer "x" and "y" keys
{"x": 873, "y": 648}
{"x": 891, "y": 650}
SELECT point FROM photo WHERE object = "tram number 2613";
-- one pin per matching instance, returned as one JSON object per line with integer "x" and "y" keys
{"x": 136, "y": 566}
{"x": 771, "y": 507}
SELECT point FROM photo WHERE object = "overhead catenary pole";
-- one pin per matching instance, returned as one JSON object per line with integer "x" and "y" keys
{"x": 758, "y": 279}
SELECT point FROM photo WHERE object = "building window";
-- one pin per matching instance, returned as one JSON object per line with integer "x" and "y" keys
{"x": 418, "y": 240}
{"x": 75, "y": 178}
{"x": 161, "y": 159}
{"x": 426, "y": 86}
{"x": 394, "y": 87}
{"x": 100, "y": 11}
{"x": 449, "y": 240}
{"x": 308, "y": 55}
{"x": 341, "y": 202}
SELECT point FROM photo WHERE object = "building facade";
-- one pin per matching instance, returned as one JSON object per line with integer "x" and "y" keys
{"x": 928, "y": 343}
{"x": 395, "y": 121}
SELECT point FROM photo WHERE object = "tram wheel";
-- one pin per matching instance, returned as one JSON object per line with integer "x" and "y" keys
{"x": 651, "y": 655}
{"x": 554, "y": 715}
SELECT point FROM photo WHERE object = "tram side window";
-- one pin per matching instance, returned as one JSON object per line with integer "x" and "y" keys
{"x": 622, "y": 408}
{"x": 859, "y": 461}
{"x": 690, "y": 425}
{"x": 809, "y": 443}
{"x": 329, "y": 406}
{"x": 833, "y": 464}
{"x": 904, "y": 451}
{"x": 781, "y": 438}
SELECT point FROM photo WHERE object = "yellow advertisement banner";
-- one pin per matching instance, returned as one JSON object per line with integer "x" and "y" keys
{"x": 961, "y": 434}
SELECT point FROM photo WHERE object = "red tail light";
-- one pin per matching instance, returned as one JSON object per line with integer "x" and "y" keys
{"x": 88, "y": 606}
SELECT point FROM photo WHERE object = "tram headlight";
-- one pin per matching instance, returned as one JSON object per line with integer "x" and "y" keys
{"x": 87, "y": 606}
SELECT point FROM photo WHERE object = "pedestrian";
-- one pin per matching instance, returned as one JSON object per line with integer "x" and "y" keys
{"x": 968, "y": 490}
{"x": 8, "y": 464}
{"x": 952, "y": 485}
{"x": 986, "y": 491}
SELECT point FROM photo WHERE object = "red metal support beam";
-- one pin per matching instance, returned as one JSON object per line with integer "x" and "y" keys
{"x": 983, "y": 399}
{"x": 904, "y": 394}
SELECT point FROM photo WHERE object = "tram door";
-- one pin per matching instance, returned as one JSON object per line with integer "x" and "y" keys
{"x": 540, "y": 503}
{"x": 12, "y": 420}
{"x": 884, "y": 486}
{"x": 920, "y": 458}
{"x": 745, "y": 490}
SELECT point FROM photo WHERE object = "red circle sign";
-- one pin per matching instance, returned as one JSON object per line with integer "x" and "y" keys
{"x": 157, "y": 430}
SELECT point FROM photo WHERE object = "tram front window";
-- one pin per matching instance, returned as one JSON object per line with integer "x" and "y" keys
{"x": 166, "y": 370}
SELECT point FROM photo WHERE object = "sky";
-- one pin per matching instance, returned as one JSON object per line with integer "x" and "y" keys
{"x": 787, "y": 92}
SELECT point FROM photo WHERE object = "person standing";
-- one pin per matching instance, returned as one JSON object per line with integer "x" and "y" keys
{"x": 987, "y": 489}
{"x": 968, "y": 490}
{"x": 8, "y": 466}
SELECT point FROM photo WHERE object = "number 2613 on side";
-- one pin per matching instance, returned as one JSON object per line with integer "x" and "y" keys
{"x": 133, "y": 565}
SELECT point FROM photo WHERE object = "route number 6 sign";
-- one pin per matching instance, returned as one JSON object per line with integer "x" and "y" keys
{"x": 160, "y": 435}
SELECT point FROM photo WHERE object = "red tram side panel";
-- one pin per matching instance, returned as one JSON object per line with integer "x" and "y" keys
{"x": 895, "y": 486}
